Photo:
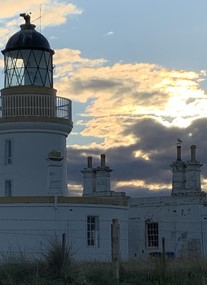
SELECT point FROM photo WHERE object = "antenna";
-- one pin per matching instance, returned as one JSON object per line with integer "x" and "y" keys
{"x": 40, "y": 18}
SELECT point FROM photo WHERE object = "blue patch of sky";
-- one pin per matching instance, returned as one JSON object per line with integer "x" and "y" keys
{"x": 78, "y": 112}
{"x": 169, "y": 33}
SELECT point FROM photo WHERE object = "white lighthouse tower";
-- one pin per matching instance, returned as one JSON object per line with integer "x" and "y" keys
{"x": 34, "y": 122}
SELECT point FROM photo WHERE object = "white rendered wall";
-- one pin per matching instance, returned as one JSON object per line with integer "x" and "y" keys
{"x": 181, "y": 221}
{"x": 28, "y": 227}
{"x": 31, "y": 170}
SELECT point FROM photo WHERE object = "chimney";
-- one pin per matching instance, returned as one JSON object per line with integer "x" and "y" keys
{"x": 193, "y": 181}
{"x": 103, "y": 177}
{"x": 89, "y": 178}
{"x": 89, "y": 160}
{"x": 103, "y": 160}
{"x": 178, "y": 171}
{"x": 193, "y": 153}
{"x": 178, "y": 152}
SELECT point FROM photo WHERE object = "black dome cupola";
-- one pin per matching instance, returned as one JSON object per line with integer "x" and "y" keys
{"x": 28, "y": 58}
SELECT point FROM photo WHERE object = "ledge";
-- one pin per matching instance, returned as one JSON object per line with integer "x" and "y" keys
{"x": 63, "y": 200}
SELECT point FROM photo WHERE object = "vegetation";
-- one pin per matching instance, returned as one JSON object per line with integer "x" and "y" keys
{"x": 57, "y": 267}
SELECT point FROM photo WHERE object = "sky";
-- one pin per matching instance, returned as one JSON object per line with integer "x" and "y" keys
{"x": 136, "y": 74}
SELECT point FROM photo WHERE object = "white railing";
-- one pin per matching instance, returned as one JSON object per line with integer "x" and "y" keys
{"x": 35, "y": 106}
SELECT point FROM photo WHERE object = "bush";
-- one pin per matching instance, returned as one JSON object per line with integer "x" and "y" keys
{"x": 57, "y": 263}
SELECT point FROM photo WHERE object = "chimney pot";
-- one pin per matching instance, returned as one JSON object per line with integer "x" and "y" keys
{"x": 193, "y": 152}
{"x": 178, "y": 152}
{"x": 103, "y": 160}
{"x": 89, "y": 161}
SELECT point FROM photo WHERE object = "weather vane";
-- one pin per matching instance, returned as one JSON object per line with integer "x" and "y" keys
{"x": 27, "y": 17}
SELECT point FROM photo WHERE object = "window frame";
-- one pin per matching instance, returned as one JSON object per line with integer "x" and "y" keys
{"x": 152, "y": 234}
{"x": 8, "y": 151}
{"x": 10, "y": 192}
{"x": 92, "y": 231}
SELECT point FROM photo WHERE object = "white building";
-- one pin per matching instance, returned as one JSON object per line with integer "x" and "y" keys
{"x": 28, "y": 223}
{"x": 35, "y": 206}
{"x": 34, "y": 123}
{"x": 175, "y": 224}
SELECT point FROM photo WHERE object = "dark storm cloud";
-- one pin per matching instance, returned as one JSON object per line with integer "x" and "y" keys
{"x": 77, "y": 162}
{"x": 159, "y": 142}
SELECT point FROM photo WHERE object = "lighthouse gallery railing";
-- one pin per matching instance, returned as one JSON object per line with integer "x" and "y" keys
{"x": 35, "y": 106}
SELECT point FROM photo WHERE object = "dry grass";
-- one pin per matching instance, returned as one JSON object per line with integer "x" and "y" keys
{"x": 59, "y": 268}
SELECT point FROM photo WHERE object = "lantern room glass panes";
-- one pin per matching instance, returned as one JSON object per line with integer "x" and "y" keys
{"x": 28, "y": 68}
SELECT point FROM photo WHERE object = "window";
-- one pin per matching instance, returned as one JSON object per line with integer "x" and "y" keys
{"x": 8, "y": 152}
{"x": 152, "y": 235}
{"x": 8, "y": 188}
{"x": 92, "y": 231}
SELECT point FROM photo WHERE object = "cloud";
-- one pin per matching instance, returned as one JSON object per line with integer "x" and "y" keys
{"x": 56, "y": 13}
{"x": 137, "y": 110}
{"x": 53, "y": 38}
{"x": 120, "y": 95}
{"x": 109, "y": 34}
{"x": 53, "y": 13}
{"x": 67, "y": 62}
{"x": 13, "y": 8}
{"x": 134, "y": 174}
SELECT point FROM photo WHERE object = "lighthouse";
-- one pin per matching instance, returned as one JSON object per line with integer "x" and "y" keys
{"x": 34, "y": 121}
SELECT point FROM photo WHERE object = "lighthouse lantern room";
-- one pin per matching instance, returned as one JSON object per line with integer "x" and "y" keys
{"x": 28, "y": 58}
{"x": 34, "y": 122}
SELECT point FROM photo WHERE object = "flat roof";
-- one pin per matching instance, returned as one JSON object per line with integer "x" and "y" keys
{"x": 64, "y": 200}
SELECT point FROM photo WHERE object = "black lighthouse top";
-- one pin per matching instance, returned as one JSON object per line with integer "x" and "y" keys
{"x": 28, "y": 58}
{"x": 27, "y": 38}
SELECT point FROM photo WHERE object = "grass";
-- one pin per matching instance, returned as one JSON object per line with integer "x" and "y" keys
{"x": 148, "y": 272}
{"x": 175, "y": 272}
{"x": 57, "y": 267}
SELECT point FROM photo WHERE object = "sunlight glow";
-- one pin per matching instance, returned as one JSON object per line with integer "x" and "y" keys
{"x": 143, "y": 184}
{"x": 141, "y": 154}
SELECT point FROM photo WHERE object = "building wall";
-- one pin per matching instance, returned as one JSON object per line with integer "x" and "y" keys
{"x": 31, "y": 171}
{"x": 182, "y": 222}
{"x": 27, "y": 224}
